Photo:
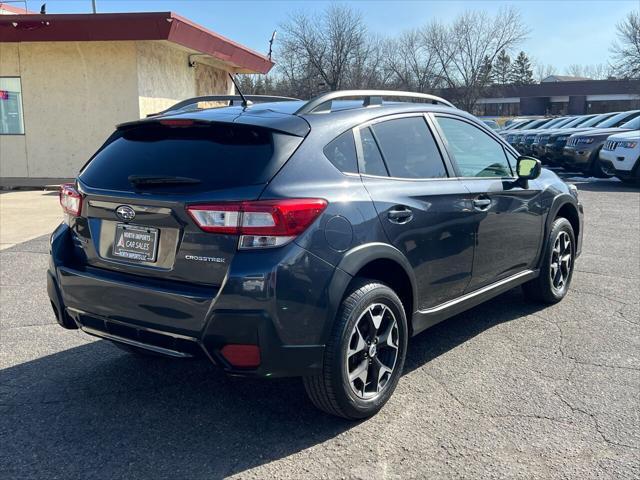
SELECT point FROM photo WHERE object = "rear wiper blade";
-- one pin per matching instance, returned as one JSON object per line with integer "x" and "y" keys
{"x": 161, "y": 180}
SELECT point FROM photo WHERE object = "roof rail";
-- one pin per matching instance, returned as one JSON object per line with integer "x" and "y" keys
{"x": 322, "y": 103}
{"x": 232, "y": 99}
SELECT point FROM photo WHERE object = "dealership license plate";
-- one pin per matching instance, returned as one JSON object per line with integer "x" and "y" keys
{"x": 136, "y": 243}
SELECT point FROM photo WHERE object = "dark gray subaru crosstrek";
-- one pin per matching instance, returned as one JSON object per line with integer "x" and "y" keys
{"x": 306, "y": 239}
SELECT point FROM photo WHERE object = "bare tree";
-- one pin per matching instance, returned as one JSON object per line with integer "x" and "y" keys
{"x": 597, "y": 71}
{"x": 332, "y": 51}
{"x": 410, "y": 63}
{"x": 626, "y": 51}
{"x": 575, "y": 70}
{"x": 543, "y": 71}
{"x": 466, "y": 47}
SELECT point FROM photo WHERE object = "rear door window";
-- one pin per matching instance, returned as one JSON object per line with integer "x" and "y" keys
{"x": 372, "y": 163}
{"x": 218, "y": 156}
{"x": 409, "y": 149}
{"x": 475, "y": 152}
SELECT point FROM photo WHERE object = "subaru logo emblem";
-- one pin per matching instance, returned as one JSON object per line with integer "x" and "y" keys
{"x": 125, "y": 213}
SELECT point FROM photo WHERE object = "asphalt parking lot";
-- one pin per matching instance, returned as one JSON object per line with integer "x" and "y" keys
{"x": 506, "y": 390}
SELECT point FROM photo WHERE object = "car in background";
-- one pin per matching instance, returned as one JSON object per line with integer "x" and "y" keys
{"x": 528, "y": 138}
{"x": 530, "y": 133}
{"x": 516, "y": 126}
{"x": 546, "y": 135}
{"x": 514, "y": 122}
{"x": 514, "y": 138}
{"x": 554, "y": 149}
{"x": 492, "y": 124}
{"x": 583, "y": 148}
{"x": 537, "y": 146}
{"x": 620, "y": 154}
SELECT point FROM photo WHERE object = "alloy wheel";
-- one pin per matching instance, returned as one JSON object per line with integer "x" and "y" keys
{"x": 372, "y": 351}
{"x": 561, "y": 261}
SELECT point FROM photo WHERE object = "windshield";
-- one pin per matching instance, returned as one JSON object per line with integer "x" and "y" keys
{"x": 619, "y": 119}
{"x": 579, "y": 121}
{"x": 597, "y": 120}
{"x": 565, "y": 121}
{"x": 538, "y": 123}
{"x": 519, "y": 125}
{"x": 555, "y": 122}
{"x": 632, "y": 124}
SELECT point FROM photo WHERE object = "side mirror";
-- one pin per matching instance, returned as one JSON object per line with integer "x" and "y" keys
{"x": 528, "y": 168}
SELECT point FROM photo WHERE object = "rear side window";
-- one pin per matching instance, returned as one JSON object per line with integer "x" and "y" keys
{"x": 342, "y": 153}
{"x": 476, "y": 153}
{"x": 371, "y": 158}
{"x": 408, "y": 148}
{"x": 219, "y": 156}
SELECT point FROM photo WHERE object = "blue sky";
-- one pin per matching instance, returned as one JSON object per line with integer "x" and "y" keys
{"x": 562, "y": 32}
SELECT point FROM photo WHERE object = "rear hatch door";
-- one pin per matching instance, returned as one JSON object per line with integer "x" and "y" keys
{"x": 137, "y": 187}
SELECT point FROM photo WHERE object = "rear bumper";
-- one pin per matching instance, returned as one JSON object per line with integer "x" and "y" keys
{"x": 287, "y": 319}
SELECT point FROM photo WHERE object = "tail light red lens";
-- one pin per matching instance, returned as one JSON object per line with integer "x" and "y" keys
{"x": 70, "y": 199}
{"x": 261, "y": 224}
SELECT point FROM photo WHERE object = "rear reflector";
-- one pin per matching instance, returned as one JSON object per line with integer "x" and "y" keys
{"x": 261, "y": 224}
{"x": 70, "y": 199}
{"x": 242, "y": 356}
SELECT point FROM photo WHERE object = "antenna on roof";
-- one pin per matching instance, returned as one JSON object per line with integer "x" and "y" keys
{"x": 245, "y": 102}
{"x": 273, "y": 37}
{"x": 93, "y": 5}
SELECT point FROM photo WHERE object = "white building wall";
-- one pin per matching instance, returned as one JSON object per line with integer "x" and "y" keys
{"x": 74, "y": 93}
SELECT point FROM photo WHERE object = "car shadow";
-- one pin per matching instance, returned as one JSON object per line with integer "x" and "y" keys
{"x": 93, "y": 411}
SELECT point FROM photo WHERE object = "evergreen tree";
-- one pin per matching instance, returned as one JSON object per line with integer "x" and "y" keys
{"x": 485, "y": 77}
{"x": 501, "y": 72}
{"x": 522, "y": 73}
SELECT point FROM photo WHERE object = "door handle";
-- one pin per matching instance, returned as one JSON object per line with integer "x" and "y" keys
{"x": 481, "y": 203}
{"x": 400, "y": 214}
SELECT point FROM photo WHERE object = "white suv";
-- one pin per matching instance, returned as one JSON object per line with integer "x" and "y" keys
{"x": 621, "y": 155}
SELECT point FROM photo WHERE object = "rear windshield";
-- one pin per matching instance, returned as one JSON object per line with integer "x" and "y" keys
{"x": 215, "y": 156}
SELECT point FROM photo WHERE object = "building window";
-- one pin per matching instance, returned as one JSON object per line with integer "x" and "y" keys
{"x": 11, "y": 121}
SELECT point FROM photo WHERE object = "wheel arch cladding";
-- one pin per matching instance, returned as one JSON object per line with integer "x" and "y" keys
{"x": 570, "y": 212}
{"x": 382, "y": 262}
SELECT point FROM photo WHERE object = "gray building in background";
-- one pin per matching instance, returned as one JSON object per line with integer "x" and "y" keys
{"x": 558, "y": 97}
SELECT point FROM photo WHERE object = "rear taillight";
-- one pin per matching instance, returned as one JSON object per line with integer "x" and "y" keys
{"x": 260, "y": 224}
{"x": 70, "y": 199}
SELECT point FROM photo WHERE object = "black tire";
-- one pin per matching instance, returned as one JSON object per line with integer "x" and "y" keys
{"x": 545, "y": 288}
{"x": 332, "y": 391}
{"x": 597, "y": 168}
